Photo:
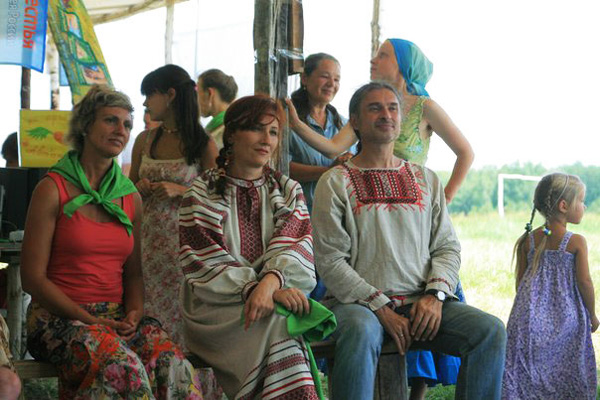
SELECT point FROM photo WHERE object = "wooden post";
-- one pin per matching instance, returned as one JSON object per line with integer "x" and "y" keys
{"x": 25, "y": 88}
{"x": 296, "y": 38}
{"x": 271, "y": 49}
{"x": 169, "y": 31}
{"x": 264, "y": 41}
{"x": 375, "y": 29}
{"x": 52, "y": 60}
{"x": 15, "y": 310}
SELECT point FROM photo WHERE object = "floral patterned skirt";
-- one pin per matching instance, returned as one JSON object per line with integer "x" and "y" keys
{"x": 94, "y": 362}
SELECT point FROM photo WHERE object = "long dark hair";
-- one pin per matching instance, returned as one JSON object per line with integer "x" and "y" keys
{"x": 245, "y": 113}
{"x": 185, "y": 105}
{"x": 300, "y": 97}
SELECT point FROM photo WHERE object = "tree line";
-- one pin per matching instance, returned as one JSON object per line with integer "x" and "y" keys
{"x": 479, "y": 191}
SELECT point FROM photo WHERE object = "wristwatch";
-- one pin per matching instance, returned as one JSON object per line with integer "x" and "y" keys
{"x": 438, "y": 294}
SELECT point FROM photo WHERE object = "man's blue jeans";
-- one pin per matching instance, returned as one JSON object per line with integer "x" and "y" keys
{"x": 478, "y": 338}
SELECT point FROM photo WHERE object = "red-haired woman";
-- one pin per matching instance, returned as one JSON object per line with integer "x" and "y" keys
{"x": 246, "y": 243}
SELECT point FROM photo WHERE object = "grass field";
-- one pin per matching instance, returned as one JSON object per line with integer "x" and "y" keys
{"x": 486, "y": 273}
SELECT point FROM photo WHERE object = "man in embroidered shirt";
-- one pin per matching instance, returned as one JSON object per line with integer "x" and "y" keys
{"x": 389, "y": 257}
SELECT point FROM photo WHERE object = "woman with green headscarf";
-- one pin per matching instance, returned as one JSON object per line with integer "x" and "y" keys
{"x": 81, "y": 264}
{"x": 402, "y": 64}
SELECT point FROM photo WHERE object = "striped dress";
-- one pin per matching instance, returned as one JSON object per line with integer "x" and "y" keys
{"x": 228, "y": 244}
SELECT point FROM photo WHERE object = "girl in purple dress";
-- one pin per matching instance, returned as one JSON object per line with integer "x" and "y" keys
{"x": 549, "y": 353}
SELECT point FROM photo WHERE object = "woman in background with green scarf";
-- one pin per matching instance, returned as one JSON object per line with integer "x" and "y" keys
{"x": 216, "y": 91}
{"x": 81, "y": 264}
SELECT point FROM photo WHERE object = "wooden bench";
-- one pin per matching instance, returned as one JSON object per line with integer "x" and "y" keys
{"x": 390, "y": 383}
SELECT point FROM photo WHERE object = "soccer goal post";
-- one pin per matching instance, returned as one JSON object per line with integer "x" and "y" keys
{"x": 501, "y": 178}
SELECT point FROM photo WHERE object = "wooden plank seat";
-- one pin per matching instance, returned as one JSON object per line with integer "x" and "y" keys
{"x": 390, "y": 382}
{"x": 32, "y": 369}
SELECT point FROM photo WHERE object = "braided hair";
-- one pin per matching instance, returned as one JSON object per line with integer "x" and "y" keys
{"x": 244, "y": 113}
{"x": 300, "y": 97}
{"x": 550, "y": 191}
{"x": 185, "y": 105}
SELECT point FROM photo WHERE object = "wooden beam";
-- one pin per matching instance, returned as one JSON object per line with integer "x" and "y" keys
{"x": 25, "y": 88}
{"x": 169, "y": 31}
{"x": 264, "y": 40}
{"x": 375, "y": 29}
{"x": 53, "y": 61}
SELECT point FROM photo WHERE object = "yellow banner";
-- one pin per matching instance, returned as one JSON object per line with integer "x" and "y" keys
{"x": 78, "y": 46}
{"x": 41, "y": 137}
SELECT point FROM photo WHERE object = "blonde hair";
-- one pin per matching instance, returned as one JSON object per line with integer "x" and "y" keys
{"x": 550, "y": 191}
{"x": 84, "y": 112}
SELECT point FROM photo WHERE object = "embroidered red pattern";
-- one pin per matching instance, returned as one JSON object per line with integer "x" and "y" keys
{"x": 248, "y": 205}
{"x": 383, "y": 186}
{"x": 434, "y": 280}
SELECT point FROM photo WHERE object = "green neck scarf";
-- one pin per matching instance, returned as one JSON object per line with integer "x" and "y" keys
{"x": 216, "y": 121}
{"x": 113, "y": 185}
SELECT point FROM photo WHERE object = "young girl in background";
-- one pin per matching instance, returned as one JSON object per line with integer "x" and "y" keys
{"x": 549, "y": 350}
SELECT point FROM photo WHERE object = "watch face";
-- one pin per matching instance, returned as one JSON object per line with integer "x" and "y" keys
{"x": 441, "y": 296}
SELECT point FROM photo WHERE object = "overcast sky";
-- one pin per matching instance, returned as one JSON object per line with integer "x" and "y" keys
{"x": 519, "y": 77}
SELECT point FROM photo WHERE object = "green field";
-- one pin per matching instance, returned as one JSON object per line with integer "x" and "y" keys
{"x": 487, "y": 274}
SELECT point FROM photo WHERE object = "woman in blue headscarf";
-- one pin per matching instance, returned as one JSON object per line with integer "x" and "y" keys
{"x": 402, "y": 64}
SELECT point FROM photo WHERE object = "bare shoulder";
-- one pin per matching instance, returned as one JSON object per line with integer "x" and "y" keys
{"x": 46, "y": 189}
{"x": 44, "y": 199}
{"x": 576, "y": 244}
{"x": 138, "y": 205}
{"x": 432, "y": 109}
{"x": 141, "y": 138}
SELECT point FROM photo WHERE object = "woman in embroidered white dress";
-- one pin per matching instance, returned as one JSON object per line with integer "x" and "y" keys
{"x": 246, "y": 243}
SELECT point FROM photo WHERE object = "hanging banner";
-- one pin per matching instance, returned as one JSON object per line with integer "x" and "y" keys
{"x": 42, "y": 137}
{"x": 23, "y": 33}
{"x": 79, "y": 50}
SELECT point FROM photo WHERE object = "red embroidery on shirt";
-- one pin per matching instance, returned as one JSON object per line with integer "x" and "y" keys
{"x": 248, "y": 205}
{"x": 388, "y": 188}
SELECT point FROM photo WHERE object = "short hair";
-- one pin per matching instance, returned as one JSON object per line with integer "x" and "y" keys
{"x": 223, "y": 83}
{"x": 362, "y": 92}
{"x": 10, "y": 149}
{"x": 84, "y": 112}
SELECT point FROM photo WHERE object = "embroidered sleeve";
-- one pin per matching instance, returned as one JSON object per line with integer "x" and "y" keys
{"x": 444, "y": 246}
{"x": 289, "y": 253}
{"x": 5, "y": 356}
{"x": 332, "y": 219}
{"x": 215, "y": 275}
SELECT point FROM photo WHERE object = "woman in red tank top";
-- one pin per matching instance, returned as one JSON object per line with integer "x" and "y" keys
{"x": 81, "y": 265}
